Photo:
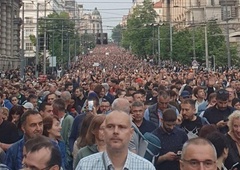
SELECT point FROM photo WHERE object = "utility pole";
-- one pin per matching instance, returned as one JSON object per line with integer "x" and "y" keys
{"x": 227, "y": 35}
{"x": 193, "y": 33}
{"x": 159, "y": 52}
{"x": 22, "y": 55}
{"x": 37, "y": 44}
{"x": 45, "y": 39}
{"x": 206, "y": 39}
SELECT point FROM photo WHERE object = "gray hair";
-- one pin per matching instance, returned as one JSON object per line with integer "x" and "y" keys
{"x": 121, "y": 104}
{"x": 234, "y": 115}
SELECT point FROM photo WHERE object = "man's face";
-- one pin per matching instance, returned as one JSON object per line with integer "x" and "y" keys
{"x": 34, "y": 102}
{"x": 78, "y": 93}
{"x": 37, "y": 160}
{"x": 50, "y": 98}
{"x": 201, "y": 94}
{"x": 168, "y": 126}
{"x": 163, "y": 103}
{"x": 14, "y": 101}
{"x": 199, "y": 157}
{"x": 222, "y": 105}
{"x": 137, "y": 113}
{"x": 33, "y": 125}
{"x": 187, "y": 111}
{"x": 118, "y": 131}
{"x": 105, "y": 106}
{"x": 236, "y": 128}
{"x": 137, "y": 97}
{"x": 47, "y": 111}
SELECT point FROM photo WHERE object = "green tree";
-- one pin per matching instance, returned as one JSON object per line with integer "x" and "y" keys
{"x": 63, "y": 40}
{"x": 117, "y": 34}
{"x": 138, "y": 35}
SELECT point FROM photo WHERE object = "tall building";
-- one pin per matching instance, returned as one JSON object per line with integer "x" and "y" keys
{"x": 10, "y": 24}
{"x": 91, "y": 23}
{"x": 30, "y": 22}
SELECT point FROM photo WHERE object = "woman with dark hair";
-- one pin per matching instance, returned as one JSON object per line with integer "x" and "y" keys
{"x": 94, "y": 138}
{"x": 100, "y": 91}
{"x": 15, "y": 114}
{"x": 52, "y": 129}
{"x": 14, "y": 100}
{"x": 81, "y": 140}
{"x": 219, "y": 141}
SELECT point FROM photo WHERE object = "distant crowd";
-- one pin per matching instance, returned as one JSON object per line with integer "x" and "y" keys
{"x": 112, "y": 110}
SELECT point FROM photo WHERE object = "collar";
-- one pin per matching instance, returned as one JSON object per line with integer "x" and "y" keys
{"x": 108, "y": 163}
{"x": 163, "y": 132}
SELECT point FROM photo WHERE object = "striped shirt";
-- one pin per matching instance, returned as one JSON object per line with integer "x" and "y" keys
{"x": 101, "y": 161}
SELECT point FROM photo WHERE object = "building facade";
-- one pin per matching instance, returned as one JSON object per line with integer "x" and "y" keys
{"x": 10, "y": 24}
{"x": 30, "y": 23}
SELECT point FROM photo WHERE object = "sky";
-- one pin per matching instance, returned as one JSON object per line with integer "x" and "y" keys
{"x": 111, "y": 11}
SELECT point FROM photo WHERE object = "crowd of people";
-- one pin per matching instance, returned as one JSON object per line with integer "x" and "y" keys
{"x": 112, "y": 110}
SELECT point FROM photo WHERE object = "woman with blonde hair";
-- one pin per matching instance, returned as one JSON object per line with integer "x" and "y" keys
{"x": 233, "y": 138}
{"x": 94, "y": 139}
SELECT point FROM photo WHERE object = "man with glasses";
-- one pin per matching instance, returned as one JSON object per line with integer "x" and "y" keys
{"x": 198, "y": 153}
{"x": 218, "y": 114}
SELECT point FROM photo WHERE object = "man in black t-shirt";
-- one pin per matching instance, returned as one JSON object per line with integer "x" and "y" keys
{"x": 219, "y": 113}
{"x": 191, "y": 123}
{"x": 8, "y": 132}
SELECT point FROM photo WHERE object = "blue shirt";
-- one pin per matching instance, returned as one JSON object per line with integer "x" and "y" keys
{"x": 101, "y": 161}
{"x": 170, "y": 142}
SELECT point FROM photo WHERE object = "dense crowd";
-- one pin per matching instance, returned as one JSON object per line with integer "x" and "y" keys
{"x": 59, "y": 121}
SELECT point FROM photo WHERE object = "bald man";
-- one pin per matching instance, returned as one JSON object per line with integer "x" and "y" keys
{"x": 118, "y": 132}
{"x": 198, "y": 154}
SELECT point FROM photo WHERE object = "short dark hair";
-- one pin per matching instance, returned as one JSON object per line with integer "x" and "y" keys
{"x": 137, "y": 104}
{"x": 169, "y": 115}
{"x": 196, "y": 89}
{"x": 222, "y": 95}
{"x": 59, "y": 104}
{"x": 188, "y": 101}
{"x": 43, "y": 105}
{"x": 219, "y": 141}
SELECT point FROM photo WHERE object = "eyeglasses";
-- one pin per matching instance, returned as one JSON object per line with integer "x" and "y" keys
{"x": 196, "y": 163}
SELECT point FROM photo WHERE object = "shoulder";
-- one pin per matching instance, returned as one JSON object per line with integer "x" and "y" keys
{"x": 138, "y": 161}
{"x": 90, "y": 161}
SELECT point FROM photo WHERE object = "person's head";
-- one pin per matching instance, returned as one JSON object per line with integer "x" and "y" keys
{"x": 59, "y": 108}
{"x": 81, "y": 140}
{"x": 16, "y": 89}
{"x": 14, "y": 100}
{"x": 206, "y": 129}
{"x": 236, "y": 103}
{"x": 66, "y": 97}
{"x": 43, "y": 156}
{"x": 234, "y": 124}
{"x": 220, "y": 143}
{"x": 163, "y": 100}
{"x": 198, "y": 153}
{"x": 78, "y": 92}
{"x": 137, "y": 96}
{"x": 184, "y": 95}
{"x": 212, "y": 99}
{"x": 46, "y": 109}
{"x": 69, "y": 87}
{"x": 31, "y": 123}
{"x": 52, "y": 127}
{"x": 100, "y": 91}
{"x": 32, "y": 98}
{"x": 120, "y": 93}
{"x": 188, "y": 109}
{"x": 27, "y": 106}
{"x": 51, "y": 97}
{"x": 15, "y": 113}
{"x": 222, "y": 99}
{"x": 137, "y": 111}
{"x": 169, "y": 119}
{"x": 118, "y": 131}
{"x": 5, "y": 113}
{"x": 1, "y": 115}
{"x": 104, "y": 106}
{"x": 121, "y": 104}
{"x": 231, "y": 92}
{"x": 95, "y": 129}
{"x": 199, "y": 92}
{"x": 129, "y": 97}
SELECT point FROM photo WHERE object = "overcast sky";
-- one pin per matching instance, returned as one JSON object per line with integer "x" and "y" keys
{"x": 110, "y": 10}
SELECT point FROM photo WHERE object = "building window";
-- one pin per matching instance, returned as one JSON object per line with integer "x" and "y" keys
{"x": 29, "y": 47}
{"x": 213, "y": 2}
{"x": 228, "y": 12}
{"x": 29, "y": 20}
{"x": 28, "y": 32}
{"x": 97, "y": 25}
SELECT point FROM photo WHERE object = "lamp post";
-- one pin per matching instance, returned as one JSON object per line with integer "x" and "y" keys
{"x": 22, "y": 55}
{"x": 45, "y": 39}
